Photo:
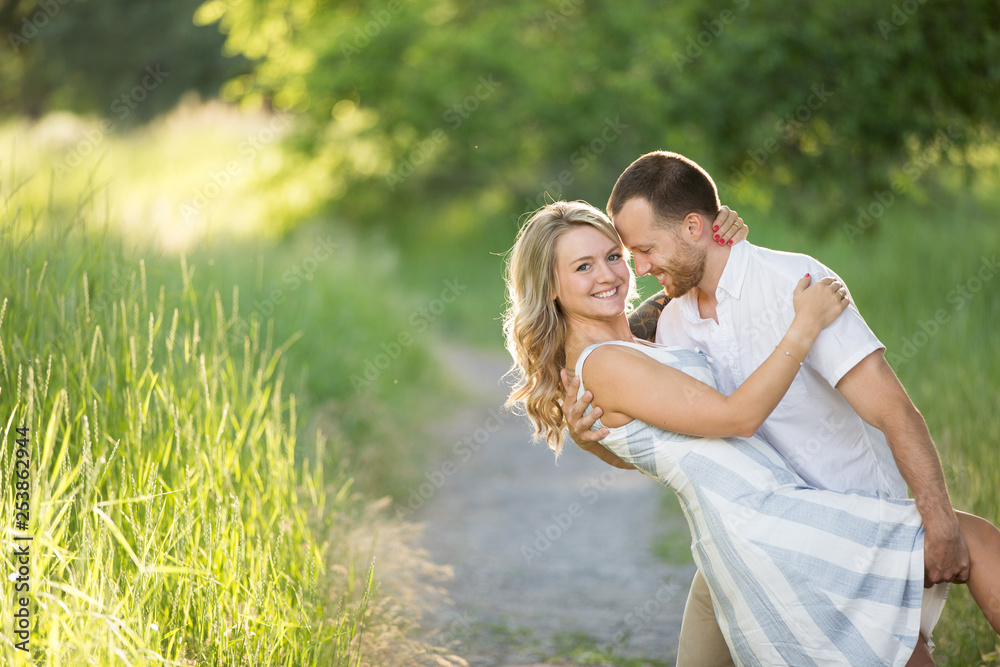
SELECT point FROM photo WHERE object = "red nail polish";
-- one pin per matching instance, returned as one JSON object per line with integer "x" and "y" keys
{"x": 715, "y": 228}
{"x": 716, "y": 237}
{"x": 807, "y": 275}
{"x": 730, "y": 242}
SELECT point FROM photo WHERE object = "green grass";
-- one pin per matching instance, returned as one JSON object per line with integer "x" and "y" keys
{"x": 577, "y": 648}
{"x": 185, "y": 506}
{"x": 672, "y": 543}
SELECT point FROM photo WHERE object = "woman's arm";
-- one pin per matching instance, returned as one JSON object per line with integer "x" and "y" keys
{"x": 630, "y": 385}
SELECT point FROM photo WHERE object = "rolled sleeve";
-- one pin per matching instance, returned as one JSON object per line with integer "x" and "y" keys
{"x": 843, "y": 344}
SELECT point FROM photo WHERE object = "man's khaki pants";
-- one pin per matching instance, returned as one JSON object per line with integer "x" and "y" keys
{"x": 701, "y": 642}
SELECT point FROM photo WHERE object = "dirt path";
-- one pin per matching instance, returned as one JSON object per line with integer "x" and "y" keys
{"x": 552, "y": 563}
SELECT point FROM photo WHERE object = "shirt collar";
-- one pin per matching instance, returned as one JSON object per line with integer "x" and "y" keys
{"x": 730, "y": 282}
{"x": 688, "y": 305}
{"x": 733, "y": 274}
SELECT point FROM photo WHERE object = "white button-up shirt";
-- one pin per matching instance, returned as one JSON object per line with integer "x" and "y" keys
{"x": 814, "y": 427}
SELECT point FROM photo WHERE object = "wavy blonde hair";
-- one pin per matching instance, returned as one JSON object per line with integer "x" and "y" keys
{"x": 534, "y": 326}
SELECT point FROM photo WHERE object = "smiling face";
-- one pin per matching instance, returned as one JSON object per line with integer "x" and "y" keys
{"x": 592, "y": 274}
{"x": 666, "y": 253}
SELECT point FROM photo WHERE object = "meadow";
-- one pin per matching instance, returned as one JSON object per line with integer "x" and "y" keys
{"x": 207, "y": 484}
{"x": 217, "y": 385}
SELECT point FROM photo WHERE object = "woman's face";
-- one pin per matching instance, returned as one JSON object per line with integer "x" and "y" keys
{"x": 592, "y": 274}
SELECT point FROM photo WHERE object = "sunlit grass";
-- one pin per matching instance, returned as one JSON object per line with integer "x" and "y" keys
{"x": 172, "y": 522}
{"x": 181, "y": 511}
{"x": 203, "y": 171}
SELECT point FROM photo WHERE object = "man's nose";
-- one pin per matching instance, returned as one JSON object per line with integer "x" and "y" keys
{"x": 641, "y": 267}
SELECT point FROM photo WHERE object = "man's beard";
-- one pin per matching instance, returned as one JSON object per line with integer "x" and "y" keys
{"x": 686, "y": 271}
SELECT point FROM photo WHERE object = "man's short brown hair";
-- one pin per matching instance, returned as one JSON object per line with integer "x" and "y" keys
{"x": 672, "y": 184}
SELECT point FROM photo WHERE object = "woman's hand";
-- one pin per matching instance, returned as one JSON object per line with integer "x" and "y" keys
{"x": 819, "y": 304}
{"x": 728, "y": 227}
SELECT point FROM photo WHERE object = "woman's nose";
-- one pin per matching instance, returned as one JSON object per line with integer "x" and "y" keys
{"x": 604, "y": 272}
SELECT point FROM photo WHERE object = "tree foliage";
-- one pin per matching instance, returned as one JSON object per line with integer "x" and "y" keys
{"x": 424, "y": 97}
{"x": 408, "y": 101}
{"x": 126, "y": 60}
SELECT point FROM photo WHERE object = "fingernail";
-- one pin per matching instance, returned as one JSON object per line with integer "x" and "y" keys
{"x": 715, "y": 228}
{"x": 730, "y": 242}
{"x": 716, "y": 236}
{"x": 807, "y": 275}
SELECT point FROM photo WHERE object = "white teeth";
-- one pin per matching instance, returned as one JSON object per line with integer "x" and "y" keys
{"x": 604, "y": 295}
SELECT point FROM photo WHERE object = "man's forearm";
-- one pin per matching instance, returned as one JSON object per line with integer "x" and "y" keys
{"x": 642, "y": 321}
{"x": 918, "y": 463}
{"x": 874, "y": 391}
{"x": 606, "y": 455}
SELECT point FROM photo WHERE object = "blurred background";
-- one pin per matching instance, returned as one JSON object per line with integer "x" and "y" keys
{"x": 269, "y": 215}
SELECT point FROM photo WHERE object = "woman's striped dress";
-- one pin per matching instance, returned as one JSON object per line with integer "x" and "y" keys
{"x": 799, "y": 576}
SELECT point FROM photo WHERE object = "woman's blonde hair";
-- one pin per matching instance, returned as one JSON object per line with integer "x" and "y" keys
{"x": 534, "y": 326}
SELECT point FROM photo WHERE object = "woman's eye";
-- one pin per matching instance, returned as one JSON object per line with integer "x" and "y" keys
{"x": 614, "y": 257}
{"x": 583, "y": 267}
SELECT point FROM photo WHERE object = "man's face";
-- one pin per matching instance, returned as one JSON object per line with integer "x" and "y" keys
{"x": 668, "y": 254}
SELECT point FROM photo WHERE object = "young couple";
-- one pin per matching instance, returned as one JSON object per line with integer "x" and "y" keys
{"x": 765, "y": 404}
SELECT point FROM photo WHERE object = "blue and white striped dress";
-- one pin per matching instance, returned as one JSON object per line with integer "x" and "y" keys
{"x": 798, "y": 575}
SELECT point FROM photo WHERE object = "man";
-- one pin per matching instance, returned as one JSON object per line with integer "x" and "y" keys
{"x": 845, "y": 423}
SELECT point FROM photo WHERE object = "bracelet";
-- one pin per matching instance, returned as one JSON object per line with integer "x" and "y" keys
{"x": 787, "y": 353}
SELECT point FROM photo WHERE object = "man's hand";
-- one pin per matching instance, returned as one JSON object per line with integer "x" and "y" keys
{"x": 579, "y": 424}
{"x": 946, "y": 556}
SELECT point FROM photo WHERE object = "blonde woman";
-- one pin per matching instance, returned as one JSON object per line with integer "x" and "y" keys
{"x": 800, "y": 575}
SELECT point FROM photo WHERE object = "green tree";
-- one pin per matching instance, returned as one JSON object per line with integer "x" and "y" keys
{"x": 412, "y": 101}
{"x": 127, "y": 60}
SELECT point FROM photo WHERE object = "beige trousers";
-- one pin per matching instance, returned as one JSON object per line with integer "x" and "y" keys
{"x": 701, "y": 643}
